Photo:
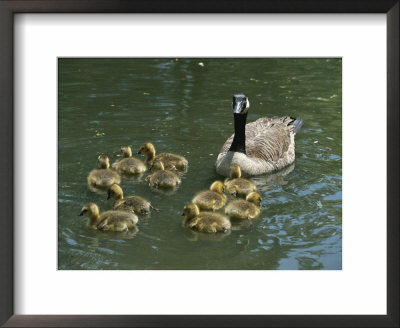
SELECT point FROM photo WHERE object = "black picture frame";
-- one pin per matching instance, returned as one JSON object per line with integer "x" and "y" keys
{"x": 10, "y": 7}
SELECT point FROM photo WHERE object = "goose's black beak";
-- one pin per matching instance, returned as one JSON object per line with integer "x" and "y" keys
{"x": 240, "y": 103}
{"x": 237, "y": 107}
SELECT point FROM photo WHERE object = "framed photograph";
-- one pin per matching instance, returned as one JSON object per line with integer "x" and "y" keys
{"x": 133, "y": 196}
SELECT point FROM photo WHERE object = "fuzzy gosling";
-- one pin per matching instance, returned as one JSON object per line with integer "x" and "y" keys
{"x": 161, "y": 178}
{"x": 169, "y": 160}
{"x": 209, "y": 222}
{"x": 244, "y": 209}
{"x": 136, "y": 204}
{"x": 212, "y": 199}
{"x": 103, "y": 177}
{"x": 129, "y": 164}
{"x": 236, "y": 185}
{"x": 109, "y": 220}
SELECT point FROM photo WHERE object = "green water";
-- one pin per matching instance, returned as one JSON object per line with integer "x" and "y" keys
{"x": 185, "y": 108}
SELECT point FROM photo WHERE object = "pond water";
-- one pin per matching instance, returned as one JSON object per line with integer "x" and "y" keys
{"x": 183, "y": 105}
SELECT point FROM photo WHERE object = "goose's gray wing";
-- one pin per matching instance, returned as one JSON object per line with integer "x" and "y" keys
{"x": 267, "y": 138}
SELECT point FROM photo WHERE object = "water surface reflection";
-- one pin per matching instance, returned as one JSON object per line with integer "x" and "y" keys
{"x": 185, "y": 108}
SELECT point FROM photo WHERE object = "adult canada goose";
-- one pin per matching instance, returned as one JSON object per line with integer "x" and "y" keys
{"x": 103, "y": 177}
{"x": 244, "y": 209}
{"x": 212, "y": 199}
{"x": 210, "y": 222}
{"x": 263, "y": 146}
{"x": 136, "y": 204}
{"x": 161, "y": 178}
{"x": 109, "y": 220}
{"x": 129, "y": 164}
{"x": 169, "y": 160}
{"x": 237, "y": 185}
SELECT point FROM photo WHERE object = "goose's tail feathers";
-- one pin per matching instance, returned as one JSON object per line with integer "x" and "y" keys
{"x": 297, "y": 123}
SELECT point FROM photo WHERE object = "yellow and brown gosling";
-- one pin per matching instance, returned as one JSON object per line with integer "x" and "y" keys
{"x": 212, "y": 199}
{"x": 209, "y": 222}
{"x": 129, "y": 164}
{"x": 169, "y": 160}
{"x": 109, "y": 220}
{"x": 136, "y": 204}
{"x": 161, "y": 178}
{"x": 245, "y": 209}
{"x": 103, "y": 177}
{"x": 236, "y": 185}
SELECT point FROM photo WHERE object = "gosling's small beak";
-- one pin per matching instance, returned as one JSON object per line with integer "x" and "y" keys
{"x": 81, "y": 214}
{"x": 183, "y": 214}
{"x": 108, "y": 196}
{"x": 139, "y": 152}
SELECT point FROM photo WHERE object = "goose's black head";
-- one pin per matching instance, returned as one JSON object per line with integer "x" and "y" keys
{"x": 240, "y": 104}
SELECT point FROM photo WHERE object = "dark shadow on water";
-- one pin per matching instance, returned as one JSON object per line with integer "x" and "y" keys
{"x": 195, "y": 236}
{"x": 265, "y": 182}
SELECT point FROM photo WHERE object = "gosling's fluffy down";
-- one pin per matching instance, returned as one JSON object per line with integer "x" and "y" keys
{"x": 109, "y": 220}
{"x": 212, "y": 199}
{"x": 136, "y": 204}
{"x": 129, "y": 164}
{"x": 244, "y": 209}
{"x": 169, "y": 160}
{"x": 103, "y": 177}
{"x": 236, "y": 185}
{"x": 209, "y": 222}
{"x": 162, "y": 178}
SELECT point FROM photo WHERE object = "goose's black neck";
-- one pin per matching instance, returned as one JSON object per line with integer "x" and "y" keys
{"x": 239, "y": 140}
